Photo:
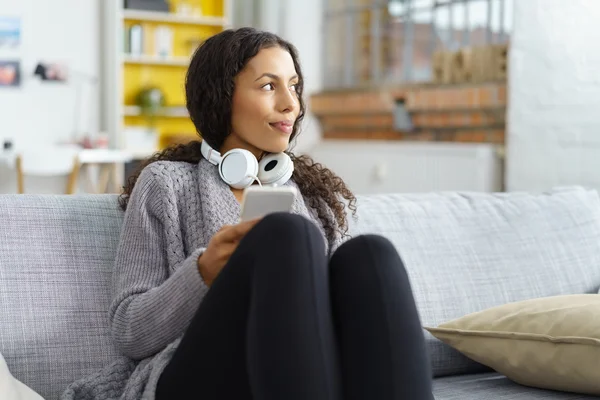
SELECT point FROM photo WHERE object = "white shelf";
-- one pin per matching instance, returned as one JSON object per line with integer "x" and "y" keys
{"x": 173, "y": 18}
{"x": 175, "y": 112}
{"x": 155, "y": 60}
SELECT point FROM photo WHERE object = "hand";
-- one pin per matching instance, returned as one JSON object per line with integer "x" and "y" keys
{"x": 220, "y": 248}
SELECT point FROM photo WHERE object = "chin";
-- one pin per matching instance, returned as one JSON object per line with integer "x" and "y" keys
{"x": 276, "y": 147}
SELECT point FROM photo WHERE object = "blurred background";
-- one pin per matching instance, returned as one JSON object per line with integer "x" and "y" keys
{"x": 403, "y": 95}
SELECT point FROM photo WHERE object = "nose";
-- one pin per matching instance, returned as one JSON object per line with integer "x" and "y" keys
{"x": 287, "y": 101}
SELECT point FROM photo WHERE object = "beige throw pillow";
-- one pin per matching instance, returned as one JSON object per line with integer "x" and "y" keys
{"x": 551, "y": 343}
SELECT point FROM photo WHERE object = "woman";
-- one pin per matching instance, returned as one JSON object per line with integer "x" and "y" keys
{"x": 206, "y": 307}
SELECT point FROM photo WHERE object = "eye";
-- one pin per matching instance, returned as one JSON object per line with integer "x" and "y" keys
{"x": 294, "y": 87}
{"x": 268, "y": 86}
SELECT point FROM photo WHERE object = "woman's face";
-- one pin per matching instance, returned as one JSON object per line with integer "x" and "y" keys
{"x": 265, "y": 104}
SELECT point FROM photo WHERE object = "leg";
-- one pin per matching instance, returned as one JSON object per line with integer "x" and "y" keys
{"x": 264, "y": 329}
{"x": 383, "y": 354}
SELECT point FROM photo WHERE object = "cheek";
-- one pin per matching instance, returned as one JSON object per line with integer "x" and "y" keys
{"x": 247, "y": 111}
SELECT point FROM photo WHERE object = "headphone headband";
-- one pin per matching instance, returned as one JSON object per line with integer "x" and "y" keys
{"x": 213, "y": 156}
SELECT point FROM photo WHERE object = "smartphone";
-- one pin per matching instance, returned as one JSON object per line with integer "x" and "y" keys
{"x": 259, "y": 201}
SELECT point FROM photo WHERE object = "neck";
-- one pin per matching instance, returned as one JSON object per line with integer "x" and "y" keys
{"x": 233, "y": 142}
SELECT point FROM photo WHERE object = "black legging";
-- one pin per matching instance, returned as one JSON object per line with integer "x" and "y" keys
{"x": 282, "y": 322}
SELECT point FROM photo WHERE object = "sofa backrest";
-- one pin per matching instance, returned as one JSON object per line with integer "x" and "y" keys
{"x": 465, "y": 252}
{"x": 56, "y": 259}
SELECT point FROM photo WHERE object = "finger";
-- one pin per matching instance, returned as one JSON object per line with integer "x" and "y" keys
{"x": 224, "y": 228}
{"x": 218, "y": 237}
{"x": 248, "y": 224}
{"x": 226, "y": 250}
{"x": 243, "y": 228}
{"x": 236, "y": 232}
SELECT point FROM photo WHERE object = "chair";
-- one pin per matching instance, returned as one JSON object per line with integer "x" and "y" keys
{"x": 46, "y": 162}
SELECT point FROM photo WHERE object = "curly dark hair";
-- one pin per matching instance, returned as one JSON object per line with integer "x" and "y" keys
{"x": 209, "y": 89}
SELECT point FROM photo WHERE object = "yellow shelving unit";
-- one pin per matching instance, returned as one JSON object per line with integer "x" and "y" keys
{"x": 127, "y": 74}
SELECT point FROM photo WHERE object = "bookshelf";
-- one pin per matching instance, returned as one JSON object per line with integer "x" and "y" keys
{"x": 127, "y": 71}
{"x": 174, "y": 18}
{"x": 176, "y": 61}
{"x": 177, "y": 111}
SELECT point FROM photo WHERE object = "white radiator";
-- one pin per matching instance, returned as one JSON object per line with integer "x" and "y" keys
{"x": 387, "y": 167}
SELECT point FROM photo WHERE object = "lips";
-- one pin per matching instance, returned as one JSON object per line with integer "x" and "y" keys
{"x": 283, "y": 126}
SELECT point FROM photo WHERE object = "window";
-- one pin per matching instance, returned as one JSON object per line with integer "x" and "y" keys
{"x": 376, "y": 42}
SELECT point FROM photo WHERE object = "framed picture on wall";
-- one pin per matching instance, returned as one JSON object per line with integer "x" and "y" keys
{"x": 10, "y": 73}
{"x": 10, "y": 32}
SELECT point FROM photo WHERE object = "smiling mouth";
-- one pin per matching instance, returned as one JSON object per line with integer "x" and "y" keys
{"x": 284, "y": 127}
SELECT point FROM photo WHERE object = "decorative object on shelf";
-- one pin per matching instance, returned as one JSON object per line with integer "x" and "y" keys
{"x": 184, "y": 8}
{"x": 102, "y": 141}
{"x": 148, "y": 5}
{"x": 10, "y": 73}
{"x": 402, "y": 119}
{"x": 471, "y": 65}
{"x": 144, "y": 40}
{"x": 151, "y": 101}
{"x": 52, "y": 72}
{"x": 135, "y": 42}
{"x": 188, "y": 9}
{"x": 163, "y": 41}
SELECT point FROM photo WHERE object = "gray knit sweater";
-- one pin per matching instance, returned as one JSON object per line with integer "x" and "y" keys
{"x": 174, "y": 210}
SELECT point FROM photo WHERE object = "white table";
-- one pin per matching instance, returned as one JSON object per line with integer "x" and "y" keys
{"x": 109, "y": 164}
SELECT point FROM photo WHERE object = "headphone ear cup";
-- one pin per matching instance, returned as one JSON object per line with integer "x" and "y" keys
{"x": 275, "y": 169}
{"x": 238, "y": 168}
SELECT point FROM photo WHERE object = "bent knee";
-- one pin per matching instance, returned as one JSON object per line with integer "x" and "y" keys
{"x": 293, "y": 239}
{"x": 286, "y": 227}
{"x": 283, "y": 219}
{"x": 366, "y": 245}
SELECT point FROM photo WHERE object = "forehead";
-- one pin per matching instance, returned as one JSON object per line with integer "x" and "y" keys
{"x": 274, "y": 60}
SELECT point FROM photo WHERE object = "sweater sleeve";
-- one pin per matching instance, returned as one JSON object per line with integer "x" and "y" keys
{"x": 150, "y": 307}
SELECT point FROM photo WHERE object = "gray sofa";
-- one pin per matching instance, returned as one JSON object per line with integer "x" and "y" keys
{"x": 464, "y": 252}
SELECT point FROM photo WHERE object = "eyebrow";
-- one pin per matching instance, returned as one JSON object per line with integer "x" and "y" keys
{"x": 273, "y": 76}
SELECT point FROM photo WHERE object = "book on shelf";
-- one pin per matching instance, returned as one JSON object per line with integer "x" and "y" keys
{"x": 144, "y": 39}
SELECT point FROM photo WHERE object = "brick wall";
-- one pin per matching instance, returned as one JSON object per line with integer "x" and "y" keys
{"x": 458, "y": 113}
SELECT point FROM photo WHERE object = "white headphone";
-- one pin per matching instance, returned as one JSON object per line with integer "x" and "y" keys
{"x": 239, "y": 168}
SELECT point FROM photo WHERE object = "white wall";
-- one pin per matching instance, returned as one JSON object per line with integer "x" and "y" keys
{"x": 554, "y": 101}
{"x": 38, "y": 113}
{"x": 303, "y": 27}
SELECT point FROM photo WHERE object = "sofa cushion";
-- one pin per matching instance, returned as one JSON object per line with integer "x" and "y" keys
{"x": 494, "y": 387}
{"x": 550, "y": 342}
{"x": 56, "y": 260}
{"x": 466, "y": 252}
